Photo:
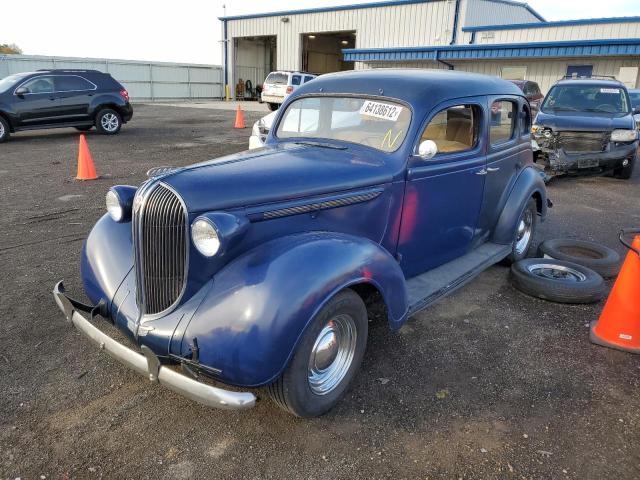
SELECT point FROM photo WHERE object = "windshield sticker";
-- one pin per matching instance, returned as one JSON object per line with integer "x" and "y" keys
{"x": 610, "y": 90}
{"x": 381, "y": 110}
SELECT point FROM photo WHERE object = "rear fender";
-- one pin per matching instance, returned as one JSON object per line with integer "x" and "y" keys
{"x": 529, "y": 184}
{"x": 258, "y": 306}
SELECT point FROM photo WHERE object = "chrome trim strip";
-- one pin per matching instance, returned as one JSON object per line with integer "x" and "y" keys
{"x": 322, "y": 205}
{"x": 149, "y": 365}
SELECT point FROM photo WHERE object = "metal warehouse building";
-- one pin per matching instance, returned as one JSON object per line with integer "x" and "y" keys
{"x": 497, "y": 37}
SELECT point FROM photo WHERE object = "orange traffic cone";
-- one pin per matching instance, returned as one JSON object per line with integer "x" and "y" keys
{"x": 239, "y": 118}
{"x": 619, "y": 324}
{"x": 86, "y": 170}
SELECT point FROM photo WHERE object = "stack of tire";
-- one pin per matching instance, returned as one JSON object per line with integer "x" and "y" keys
{"x": 568, "y": 271}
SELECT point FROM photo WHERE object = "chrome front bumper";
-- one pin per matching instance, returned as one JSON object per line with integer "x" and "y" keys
{"x": 149, "y": 365}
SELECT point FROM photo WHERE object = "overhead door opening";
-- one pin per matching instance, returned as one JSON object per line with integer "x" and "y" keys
{"x": 254, "y": 58}
{"x": 322, "y": 52}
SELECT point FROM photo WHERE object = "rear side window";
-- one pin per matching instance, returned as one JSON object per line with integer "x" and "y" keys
{"x": 39, "y": 85}
{"x": 501, "y": 120}
{"x": 72, "y": 83}
{"x": 295, "y": 80}
{"x": 277, "y": 78}
{"x": 454, "y": 129}
{"x": 308, "y": 78}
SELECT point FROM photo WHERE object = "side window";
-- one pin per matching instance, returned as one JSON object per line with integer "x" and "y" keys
{"x": 502, "y": 121}
{"x": 308, "y": 78}
{"x": 71, "y": 83}
{"x": 454, "y": 129}
{"x": 295, "y": 80}
{"x": 40, "y": 85}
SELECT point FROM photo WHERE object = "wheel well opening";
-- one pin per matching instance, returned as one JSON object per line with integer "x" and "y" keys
{"x": 373, "y": 300}
{"x": 538, "y": 198}
{"x": 6, "y": 119}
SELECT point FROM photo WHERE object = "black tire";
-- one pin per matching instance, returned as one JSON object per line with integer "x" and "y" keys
{"x": 292, "y": 391}
{"x": 274, "y": 106}
{"x": 624, "y": 173}
{"x": 530, "y": 211}
{"x": 84, "y": 128}
{"x": 4, "y": 130}
{"x": 103, "y": 127}
{"x": 588, "y": 288}
{"x": 598, "y": 258}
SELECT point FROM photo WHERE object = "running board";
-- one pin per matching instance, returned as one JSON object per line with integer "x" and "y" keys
{"x": 431, "y": 286}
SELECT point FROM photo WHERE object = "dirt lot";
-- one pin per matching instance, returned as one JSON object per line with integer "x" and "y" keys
{"x": 489, "y": 383}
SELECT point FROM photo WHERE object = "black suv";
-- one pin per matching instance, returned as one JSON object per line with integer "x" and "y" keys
{"x": 586, "y": 125}
{"x": 62, "y": 98}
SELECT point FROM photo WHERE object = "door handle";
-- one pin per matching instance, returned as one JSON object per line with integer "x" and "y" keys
{"x": 481, "y": 172}
{"x": 492, "y": 169}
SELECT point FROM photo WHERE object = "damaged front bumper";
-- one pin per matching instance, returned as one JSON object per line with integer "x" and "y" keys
{"x": 147, "y": 363}
{"x": 559, "y": 161}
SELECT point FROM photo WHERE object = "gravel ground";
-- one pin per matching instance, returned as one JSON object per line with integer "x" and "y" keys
{"x": 488, "y": 383}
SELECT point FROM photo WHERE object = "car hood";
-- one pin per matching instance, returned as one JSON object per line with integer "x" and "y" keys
{"x": 276, "y": 173}
{"x": 579, "y": 121}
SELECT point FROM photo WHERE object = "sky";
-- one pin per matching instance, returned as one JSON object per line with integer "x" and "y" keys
{"x": 188, "y": 31}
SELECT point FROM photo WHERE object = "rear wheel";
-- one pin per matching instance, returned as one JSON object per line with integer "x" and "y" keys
{"x": 4, "y": 130}
{"x": 326, "y": 359}
{"x": 274, "y": 106}
{"x": 108, "y": 122}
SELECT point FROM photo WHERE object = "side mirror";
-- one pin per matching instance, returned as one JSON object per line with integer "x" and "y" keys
{"x": 22, "y": 91}
{"x": 427, "y": 149}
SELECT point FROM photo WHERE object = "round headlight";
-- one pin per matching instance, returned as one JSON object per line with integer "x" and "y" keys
{"x": 205, "y": 237}
{"x": 114, "y": 208}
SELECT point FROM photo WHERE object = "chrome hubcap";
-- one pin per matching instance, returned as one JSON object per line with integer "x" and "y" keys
{"x": 523, "y": 235}
{"x": 557, "y": 272}
{"x": 1, "y": 130}
{"x": 109, "y": 122}
{"x": 332, "y": 354}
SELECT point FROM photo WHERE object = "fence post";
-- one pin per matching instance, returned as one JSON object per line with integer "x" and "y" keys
{"x": 189, "y": 82}
{"x": 151, "y": 81}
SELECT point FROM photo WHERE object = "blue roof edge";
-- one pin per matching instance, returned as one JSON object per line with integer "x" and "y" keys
{"x": 559, "y": 23}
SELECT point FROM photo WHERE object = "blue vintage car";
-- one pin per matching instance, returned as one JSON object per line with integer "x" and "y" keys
{"x": 257, "y": 269}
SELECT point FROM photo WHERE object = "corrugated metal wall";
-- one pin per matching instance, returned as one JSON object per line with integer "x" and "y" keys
{"x": 486, "y": 12}
{"x": 143, "y": 80}
{"x": 592, "y": 31}
{"x": 543, "y": 72}
{"x": 375, "y": 27}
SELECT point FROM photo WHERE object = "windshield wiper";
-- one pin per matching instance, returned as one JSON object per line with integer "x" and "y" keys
{"x": 321, "y": 144}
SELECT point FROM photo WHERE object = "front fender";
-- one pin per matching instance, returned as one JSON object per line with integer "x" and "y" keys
{"x": 528, "y": 184}
{"x": 107, "y": 257}
{"x": 260, "y": 304}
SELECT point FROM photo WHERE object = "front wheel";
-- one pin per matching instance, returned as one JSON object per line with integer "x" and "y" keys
{"x": 326, "y": 359}
{"x": 108, "y": 122}
{"x": 4, "y": 130}
{"x": 525, "y": 231}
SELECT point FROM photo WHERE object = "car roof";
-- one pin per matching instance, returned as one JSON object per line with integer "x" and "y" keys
{"x": 418, "y": 87}
{"x": 591, "y": 81}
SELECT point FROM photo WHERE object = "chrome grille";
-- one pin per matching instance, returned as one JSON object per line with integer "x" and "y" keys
{"x": 161, "y": 239}
{"x": 574, "y": 142}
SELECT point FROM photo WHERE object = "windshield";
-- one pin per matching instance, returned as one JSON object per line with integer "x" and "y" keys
{"x": 381, "y": 124}
{"x": 7, "y": 82}
{"x": 635, "y": 99}
{"x": 587, "y": 98}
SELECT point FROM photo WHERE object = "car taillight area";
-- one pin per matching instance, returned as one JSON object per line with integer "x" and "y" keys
{"x": 124, "y": 94}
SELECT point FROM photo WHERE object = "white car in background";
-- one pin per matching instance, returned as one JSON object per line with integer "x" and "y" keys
{"x": 279, "y": 85}
{"x": 261, "y": 130}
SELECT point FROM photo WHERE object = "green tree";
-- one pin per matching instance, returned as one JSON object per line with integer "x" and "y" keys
{"x": 10, "y": 48}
